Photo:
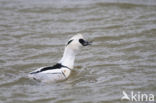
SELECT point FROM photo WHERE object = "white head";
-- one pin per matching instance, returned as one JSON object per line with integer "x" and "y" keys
{"x": 76, "y": 42}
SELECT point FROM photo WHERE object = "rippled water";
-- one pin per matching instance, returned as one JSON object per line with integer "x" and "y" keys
{"x": 122, "y": 57}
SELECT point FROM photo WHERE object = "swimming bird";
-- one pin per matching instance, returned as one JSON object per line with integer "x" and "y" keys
{"x": 61, "y": 70}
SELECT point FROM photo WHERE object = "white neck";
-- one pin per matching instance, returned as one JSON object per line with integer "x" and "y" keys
{"x": 68, "y": 57}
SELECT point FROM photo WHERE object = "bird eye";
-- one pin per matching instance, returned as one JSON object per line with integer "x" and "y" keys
{"x": 69, "y": 42}
{"x": 81, "y": 41}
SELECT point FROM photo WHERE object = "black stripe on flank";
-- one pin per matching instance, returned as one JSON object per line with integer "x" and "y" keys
{"x": 64, "y": 74}
{"x": 56, "y": 66}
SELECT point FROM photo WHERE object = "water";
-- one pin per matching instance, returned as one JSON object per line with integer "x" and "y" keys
{"x": 123, "y": 55}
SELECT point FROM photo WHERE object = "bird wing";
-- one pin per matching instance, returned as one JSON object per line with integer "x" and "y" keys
{"x": 42, "y": 69}
{"x": 49, "y": 75}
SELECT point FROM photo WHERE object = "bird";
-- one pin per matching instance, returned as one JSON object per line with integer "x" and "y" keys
{"x": 62, "y": 69}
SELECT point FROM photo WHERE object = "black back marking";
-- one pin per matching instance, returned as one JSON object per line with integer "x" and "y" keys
{"x": 69, "y": 42}
{"x": 56, "y": 66}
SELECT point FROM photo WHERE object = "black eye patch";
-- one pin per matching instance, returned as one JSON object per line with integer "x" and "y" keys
{"x": 81, "y": 41}
{"x": 69, "y": 42}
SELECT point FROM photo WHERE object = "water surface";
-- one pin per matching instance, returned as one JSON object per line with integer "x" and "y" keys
{"x": 123, "y": 55}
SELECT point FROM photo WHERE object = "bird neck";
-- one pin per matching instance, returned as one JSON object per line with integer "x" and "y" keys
{"x": 68, "y": 57}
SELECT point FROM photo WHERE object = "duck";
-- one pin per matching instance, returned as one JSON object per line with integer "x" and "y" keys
{"x": 62, "y": 69}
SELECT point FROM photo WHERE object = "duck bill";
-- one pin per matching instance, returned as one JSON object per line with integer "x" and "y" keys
{"x": 86, "y": 43}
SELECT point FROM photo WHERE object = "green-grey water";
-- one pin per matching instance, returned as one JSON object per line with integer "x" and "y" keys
{"x": 33, "y": 34}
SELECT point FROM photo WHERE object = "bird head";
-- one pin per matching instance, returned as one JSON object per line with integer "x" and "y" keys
{"x": 77, "y": 41}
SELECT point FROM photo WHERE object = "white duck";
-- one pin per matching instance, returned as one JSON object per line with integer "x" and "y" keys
{"x": 61, "y": 70}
